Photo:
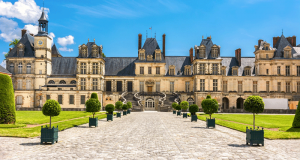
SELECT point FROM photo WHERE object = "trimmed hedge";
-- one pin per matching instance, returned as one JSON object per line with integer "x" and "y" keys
{"x": 209, "y": 105}
{"x": 94, "y": 95}
{"x": 118, "y": 105}
{"x": 254, "y": 104}
{"x": 110, "y": 108}
{"x": 93, "y": 105}
{"x": 7, "y": 100}
{"x": 178, "y": 107}
{"x": 193, "y": 109}
{"x": 296, "y": 122}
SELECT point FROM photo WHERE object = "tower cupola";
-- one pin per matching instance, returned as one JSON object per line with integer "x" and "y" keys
{"x": 43, "y": 24}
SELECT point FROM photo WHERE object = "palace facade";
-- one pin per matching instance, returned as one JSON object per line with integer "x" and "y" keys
{"x": 152, "y": 80}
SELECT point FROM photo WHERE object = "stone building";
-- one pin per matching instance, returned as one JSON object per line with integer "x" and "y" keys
{"x": 152, "y": 80}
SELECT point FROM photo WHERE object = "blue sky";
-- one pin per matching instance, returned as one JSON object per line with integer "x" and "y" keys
{"x": 116, "y": 24}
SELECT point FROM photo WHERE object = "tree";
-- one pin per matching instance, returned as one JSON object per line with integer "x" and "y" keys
{"x": 184, "y": 105}
{"x": 125, "y": 107}
{"x": 14, "y": 42}
{"x": 296, "y": 122}
{"x": 7, "y": 100}
{"x": 174, "y": 105}
{"x": 255, "y": 105}
{"x": 209, "y": 106}
{"x": 118, "y": 105}
{"x": 94, "y": 95}
{"x": 110, "y": 108}
{"x": 103, "y": 55}
{"x": 51, "y": 108}
{"x": 193, "y": 109}
{"x": 93, "y": 105}
{"x": 129, "y": 104}
{"x": 178, "y": 107}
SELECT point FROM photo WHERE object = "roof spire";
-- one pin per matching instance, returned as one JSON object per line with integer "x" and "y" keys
{"x": 43, "y": 5}
{"x": 282, "y": 31}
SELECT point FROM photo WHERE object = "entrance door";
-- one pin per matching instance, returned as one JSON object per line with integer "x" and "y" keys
{"x": 129, "y": 86}
{"x": 149, "y": 105}
{"x": 149, "y": 88}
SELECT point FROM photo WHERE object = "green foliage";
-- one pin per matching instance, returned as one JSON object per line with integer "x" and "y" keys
{"x": 254, "y": 104}
{"x": 208, "y": 97}
{"x": 193, "y": 109}
{"x": 296, "y": 122}
{"x": 129, "y": 104}
{"x": 103, "y": 55}
{"x": 209, "y": 105}
{"x": 110, "y": 108}
{"x": 94, "y": 95}
{"x": 51, "y": 108}
{"x": 93, "y": 105}
{"x": 174, "y": 105}
{"x": 125, "y": 107}
{"x": 14, "y": 42}
{"x": 7, "y": 100}
{"x": 118, "y": 105}
{"x": 178, "y": 107}
{"x": 5, "y": 55}
{"x": 184, "y": 105}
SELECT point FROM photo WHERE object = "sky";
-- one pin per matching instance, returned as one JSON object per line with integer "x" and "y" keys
{"x": 115, "y": 24}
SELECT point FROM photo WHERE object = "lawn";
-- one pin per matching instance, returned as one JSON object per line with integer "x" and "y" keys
{"x": 37, "y": 117}
{"x": 277, "y": 126}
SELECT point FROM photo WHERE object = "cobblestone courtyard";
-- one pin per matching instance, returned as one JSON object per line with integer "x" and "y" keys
{"x": 148, "y": 135}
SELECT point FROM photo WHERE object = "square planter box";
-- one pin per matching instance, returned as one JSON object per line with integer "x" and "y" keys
{"x": 254, "y": 136}
{"x": 174, "y": 112}
{"x": 128, "y": 111}
{"x": 49, "y": 135}
{"x": 119, "y": 114}
{"x": 93, "y": 122}
{"x": 184, "y": 115}
{"x": 124, "y": 113}
{"x": 110, "y": 117}
{"x": 178, "y": 113}
{"x": 210, "y": 123}
{"x": 194, "y": 118}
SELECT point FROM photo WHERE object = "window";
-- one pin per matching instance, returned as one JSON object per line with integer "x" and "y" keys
{"x": 234, "y": 72}
{"x": 286, "y": 54}
{"x": 288, "y": 87}
{"x": 108, "y": 86}
{"x": 202, "y": 53}
{"x": 141, "y": 70}
{"x": 71, "y": 89}
{"x": 20, "y": 67}
{"x": 95, "y": 68}
{"x": 83, "y": 84}
{"x": 149, "y": 103}
{"x": 51, "y": 82}
{"x": 157, "y": 70}
{"x": 21, "y": 51}
{"x": 28, "y": 69}
{"x": 40, "y": 72}
{"x": 267, "y": 56}
{"x": 187, "y": 71}
{"x": 28, "y": 84}
{"x": 95, "y": 84}
{"x": 171, "y": 86}
{"x": 215, "y": 69}
{"x": 119, "y": 86}
{"x": 59, "y": 89}
{"x": 278, "y": 86}
{"x": 278, "y": 70}
{"x": 202, "y": 85}
{"x": 267, "y": 71}
{"x": 225, "y": 86}
{"x": 298, "y": 70}
{"x": 247, "y": 72}
{"x": 11, "y": 68}
{"x": 73, "y": 82}
{"x": 240, "y": 86}
{"x": 172, "y": 71}
{"x": 149, "y": 70}
{"x": 268, "y": 86}
{"x": 157, "y": 56}
{"x": 298, "y": 87}
{"x": 202, "y": 68}
{"x": 215, "y": 85}
{"x": 60, "y": 99}
{"x": 142, "y": 56}
{"x": 287, "y": 70}
{"x": 19, "y": 100}
{"x": 129, "y": 86}
{"x": 83, "y": 68}
{"x": 187, "y": 86}
{"x": 214, "y": 52}
{"x": 47, "y": 97}
{"x": 20, "y": 84}
{"x": 71, "y": 99}
{"x": 82, "y": 99}
{"x": 141, "y": 86}
{"x": 254, "y": 86}
{"x": 224, "y": 72}
{"x": 157, "y": 86}
{"x": 62, "y": 82}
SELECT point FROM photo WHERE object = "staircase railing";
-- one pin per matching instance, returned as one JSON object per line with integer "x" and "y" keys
{"x": 177, "y": 97}
{"x": 138, "y": 99}
{"x": 124, "y": 100}
{"x": 162, "y": 99}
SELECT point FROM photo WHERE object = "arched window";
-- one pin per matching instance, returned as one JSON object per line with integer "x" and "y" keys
{"x": 20, "y": 67}
{"x": 149, "y": 103}
{"x": 73, "y": 82}
{"x": 11, "y": 67}
{"x": 62, "y": 82}
{"x": 51, "y": 82}
{"x": 28, "y": 69}
{"x": 191, "y": 101}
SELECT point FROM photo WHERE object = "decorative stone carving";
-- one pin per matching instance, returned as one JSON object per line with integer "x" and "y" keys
{"x": 150, "y": 83}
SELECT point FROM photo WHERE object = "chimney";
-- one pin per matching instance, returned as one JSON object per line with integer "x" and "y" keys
{"x": 164, "y": 44}
{"x": 238, "y": 56}
{"x": 275, "y": 40}
{"x": 140, "y": 41}
{"x": 23, "y": 31}
{"x": 31, "y": 34}
{"x": 191, "y": 54}
{"x": 259, "y": 41}
{"x": 292, "y": 40}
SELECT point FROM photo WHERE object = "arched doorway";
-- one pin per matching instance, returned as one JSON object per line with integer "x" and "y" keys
{"x": 225, "y": 103}
{"x": 149, "y": 104}
{"x": 191, "y": 101}
{"x": 240, "y": 103}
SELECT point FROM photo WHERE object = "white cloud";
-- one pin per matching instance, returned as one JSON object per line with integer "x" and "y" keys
{"x": 66, "y": 49}
{"x": 52, "y": 35}
{"x": 32, "y": 28}
{"x": 3, "y": 64}
{"x": 25, "y": 10}
{"x": 64, "y": 41}
{"x": 9, "y": 29}
{"x": 3, "y": 52}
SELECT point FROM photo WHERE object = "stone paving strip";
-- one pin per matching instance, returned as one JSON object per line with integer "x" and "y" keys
{"x": 148, "y": 135}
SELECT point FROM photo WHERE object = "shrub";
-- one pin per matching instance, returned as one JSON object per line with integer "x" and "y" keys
{"x": 94, "y": 95}
{"x": 209, "y": 106}
{"x": 7, "y": 100}
{"x": 110, "y": 108}
{"x": 129, "y": 104}
{"x": 174, "y": 105}
{"x": 254, "y": 104}
{"x": 93, "y": 105}
{"x": 184, "y": 105}
{"x": 51, "y": 108}
{"x": 125, "y": 107}
{"x": 208, "y": 97}
{"x": 193, "y": 109}
{"x": 178, "y": 107}
{"x": 296, "y": 122}
{"x": 118, "y": 105}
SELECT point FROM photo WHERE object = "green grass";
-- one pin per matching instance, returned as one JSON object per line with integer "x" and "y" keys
{"x": 12, "y": 125}
{"x": 282, "y": 122}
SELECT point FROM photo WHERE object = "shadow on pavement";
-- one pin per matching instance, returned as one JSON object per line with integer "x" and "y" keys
{"x": 238, "y": 145}
{"x": 33, "y": 144}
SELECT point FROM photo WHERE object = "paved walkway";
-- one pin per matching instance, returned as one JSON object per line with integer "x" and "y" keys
{"x": 148, "y": 135}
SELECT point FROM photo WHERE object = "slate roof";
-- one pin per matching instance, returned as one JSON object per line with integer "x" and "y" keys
{"x": 89, "y": 50}
{"x": 43, "y": 17}
{"x": 150, "y": 46}
{"x": 3, "y": 70}
{"x": 64, "y": 65}
{"x": 120, "y": 66}
{"x": 179, "y": 62}
{"x": 28, "y": 41}
{"x": 229, "y": 62}
{"x": 280, "y": 45}
{"x": 261, "y": 46}
{"x": 55, "y": 52}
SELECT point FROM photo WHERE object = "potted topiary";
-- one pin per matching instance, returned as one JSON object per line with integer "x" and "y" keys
{"x": 110, "y": 111}
{"x": 193, "y": 109}
{"x": 178, "y": 108}
{"x": 118, "y": 106}
{"x": 254, "y": 104}
{"x": 129, "y": 105}
{"x": 184, "y": 106}
{"x": 125, "y": 107}
{"x": 210, "y": 106}
{"x": 93, "y": 105}
{"x": 174, "y": 105}
{"x": 51, "y": 108}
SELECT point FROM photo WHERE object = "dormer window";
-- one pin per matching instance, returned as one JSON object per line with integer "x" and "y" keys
{"x": 142, "y": 56}
{"x": 20, "y": 50}
{"x": 202, "y": 52}
{"x": 157, "y": 56}
{"x": 95, "y": 50}
{"x": 172, "y": 70}
{"x": 223, "y": 71}
{"x": 287, "y": 52}
{"x": 83, "y": 51}
{"x": 187, "y": 70}
{"x": 215, "y": 52}
{"x": 235, "y": 71}
{"x": 247, "y": 71}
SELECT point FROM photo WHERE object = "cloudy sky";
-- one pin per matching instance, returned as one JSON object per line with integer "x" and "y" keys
{"x": 115, "y": 24}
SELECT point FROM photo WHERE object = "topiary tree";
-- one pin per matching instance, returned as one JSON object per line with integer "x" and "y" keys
{"x": 178, "y": 107}
{"x": 296, "y": 122}
{"x": 94, "y": 95}
{"x": 193, "y": 109}
{"x": 118, "y": 105}
{"x": 129, "y": 104}
{"x": 125, "y": 107}
{"x": 7, "y": 100}
{"x": 184, "y": 105}
{"x": 255, "y": 105}
{"x": 209, "y": 106}
{"x": 93, "y": 105}
{"x": 51, "y": 108}
{"x": 174, "y": 105}
{"x": 110, "y": 108}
